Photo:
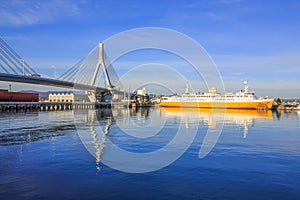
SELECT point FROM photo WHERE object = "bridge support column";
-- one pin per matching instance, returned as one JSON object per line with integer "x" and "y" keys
{"x": 100, "y": 96}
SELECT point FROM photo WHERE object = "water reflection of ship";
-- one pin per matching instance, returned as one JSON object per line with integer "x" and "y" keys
{"x": 211, "y": 117}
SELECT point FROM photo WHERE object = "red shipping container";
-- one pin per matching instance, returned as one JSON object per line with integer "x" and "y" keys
{"x": 18, "y": 97}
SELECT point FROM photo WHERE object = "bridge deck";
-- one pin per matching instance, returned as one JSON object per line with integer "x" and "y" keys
{"x": 48, "y": 82}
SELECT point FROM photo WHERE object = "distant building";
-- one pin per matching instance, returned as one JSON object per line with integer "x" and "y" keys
{"x": 61, "y": 97}
{"x": 67, "y": 97}
{"x": 142, "y": 92}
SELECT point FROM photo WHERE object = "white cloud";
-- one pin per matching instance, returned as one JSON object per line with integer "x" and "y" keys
{"x": 20, "y": 13}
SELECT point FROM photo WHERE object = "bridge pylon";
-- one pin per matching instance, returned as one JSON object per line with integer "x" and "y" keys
{"x": 96, "y": 96}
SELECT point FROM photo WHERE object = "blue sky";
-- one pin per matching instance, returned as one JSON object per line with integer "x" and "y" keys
{"x": 249, "y": 40}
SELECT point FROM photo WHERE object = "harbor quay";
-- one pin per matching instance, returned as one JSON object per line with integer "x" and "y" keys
{"x": 49, "y": 106}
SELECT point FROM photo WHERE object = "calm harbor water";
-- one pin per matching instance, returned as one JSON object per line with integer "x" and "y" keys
{"x": 72, "y": 154}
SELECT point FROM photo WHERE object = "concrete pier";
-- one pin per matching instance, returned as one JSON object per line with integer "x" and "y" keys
{"x": 49, "y": 106}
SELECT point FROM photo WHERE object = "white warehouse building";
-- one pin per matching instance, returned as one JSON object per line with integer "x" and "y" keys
{"x": 61, "y": 97}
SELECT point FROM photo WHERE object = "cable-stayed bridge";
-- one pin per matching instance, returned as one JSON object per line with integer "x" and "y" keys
{"x": 90, "y": 74}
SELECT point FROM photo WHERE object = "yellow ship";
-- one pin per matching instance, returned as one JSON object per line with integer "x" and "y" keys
{"x": 211, "y": 99}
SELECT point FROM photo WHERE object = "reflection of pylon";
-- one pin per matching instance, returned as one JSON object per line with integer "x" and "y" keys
{"x": 99, "y": 146}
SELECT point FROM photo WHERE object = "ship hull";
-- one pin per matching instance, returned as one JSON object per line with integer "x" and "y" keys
{"x": 265, "y": 104}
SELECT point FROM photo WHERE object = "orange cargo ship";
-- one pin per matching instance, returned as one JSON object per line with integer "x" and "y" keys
{"x": 240, "y": 100}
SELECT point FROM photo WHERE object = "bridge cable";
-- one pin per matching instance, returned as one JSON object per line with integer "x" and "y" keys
{"x": 71, "y": 74}
{"x": 17, "y": 55}
{"x": 10, "y": 60}
{"x": 114, "y": 78}
{"x": 4, "y": 68}
{"x": 70, "y": 71}
{"x": 15, "y": 59}
{"x": 7, "y": 64}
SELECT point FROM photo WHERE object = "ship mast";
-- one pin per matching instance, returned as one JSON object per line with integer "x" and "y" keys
{"x": 187, "y": 89}
{"x": 246, "y": 86}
